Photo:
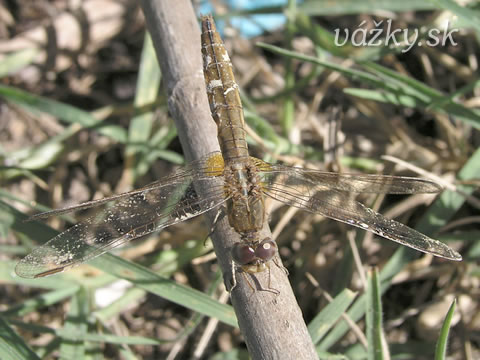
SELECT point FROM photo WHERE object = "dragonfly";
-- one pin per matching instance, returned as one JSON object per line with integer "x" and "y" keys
{"x": 231, "y": 180}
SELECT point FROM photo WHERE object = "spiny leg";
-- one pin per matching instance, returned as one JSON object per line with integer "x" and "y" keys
{"x": 233, "y": 281}
{"x": 249, "y": 283}
{"x": 275, "y": 291}
{"x": 285, "y": 270}
{"x": 220, "y": 214}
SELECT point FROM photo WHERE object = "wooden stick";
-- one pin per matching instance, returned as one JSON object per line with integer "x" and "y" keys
{"x": 272, "y": 325}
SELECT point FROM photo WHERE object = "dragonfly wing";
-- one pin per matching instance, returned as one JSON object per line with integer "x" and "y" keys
{"x": 125, "y": 218}
{"x": 205, "y": 168}
{"x": 294, "y": 189}
{"x": 357, "y": 183}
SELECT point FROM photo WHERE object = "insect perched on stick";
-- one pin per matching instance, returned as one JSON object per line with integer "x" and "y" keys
{"x": 230, "y": 178}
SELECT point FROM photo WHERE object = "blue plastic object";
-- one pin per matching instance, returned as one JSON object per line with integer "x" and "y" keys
{"x": 252, "y": 25}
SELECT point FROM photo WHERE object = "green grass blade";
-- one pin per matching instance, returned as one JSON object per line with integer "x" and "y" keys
{"x": 166, "y": 288}
{"x": 12, "y": 346}
{"x": 441, "y": 348}
{"x": 327, "y": 7}
{"x": 140, "y": 127}
{"x": 375, "y": 350}
{"x": 352, "y": 73}
{"x": 330, "y": 356}
{"x": 470, "y": 17}
{"x": 446, "y": 205}
{"x": 16, "y": 61}
{"x": 384, "y": 97}
{"x": 76, "y": 323}
{"x": 67, "y": 113}
{"x": 15, "y": 220}
{"x": 77, "y": 335}
{"x": 42, "y": 300}
{"x": 288, "y": 114}
{"x": 111, "y": 339}
{"x": 323, "y": 322}
{"x": 409, "y": 87}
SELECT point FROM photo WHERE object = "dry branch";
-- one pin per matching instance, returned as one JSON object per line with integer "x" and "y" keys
{"x": 272, "y": 325}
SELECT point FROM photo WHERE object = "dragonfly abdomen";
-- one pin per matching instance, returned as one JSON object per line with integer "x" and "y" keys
{"x": 223, "y": 94}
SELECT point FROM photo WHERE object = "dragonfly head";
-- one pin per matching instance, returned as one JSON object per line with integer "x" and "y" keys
{"x": 252, "y": 256}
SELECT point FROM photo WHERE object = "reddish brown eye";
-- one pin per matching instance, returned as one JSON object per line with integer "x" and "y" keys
{"x": 266, "y": 249}
{"x": 243, "y": 254}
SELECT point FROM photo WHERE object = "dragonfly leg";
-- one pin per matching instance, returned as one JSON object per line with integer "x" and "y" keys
{"x": 275, "y": 291}
{"x": 250, "y": 285}
{"x": 248, "y": 282}
{"x": 275, "y": 261}
{"x": 233, "y": 279}
{"x": 218, "y": 217}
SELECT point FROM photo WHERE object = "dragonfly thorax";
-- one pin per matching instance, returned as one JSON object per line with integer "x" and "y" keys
{"x": 245, "y": 208}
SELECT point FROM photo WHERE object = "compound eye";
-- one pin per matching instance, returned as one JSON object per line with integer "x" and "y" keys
{"x": 243, "y": 254}
{"x": 266, "y": 249}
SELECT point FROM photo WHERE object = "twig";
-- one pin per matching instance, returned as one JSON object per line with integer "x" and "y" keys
{"x": 272, "y": 325}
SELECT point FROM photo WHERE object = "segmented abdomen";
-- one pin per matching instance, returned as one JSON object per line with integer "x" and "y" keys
{"x": 223, "y": 94}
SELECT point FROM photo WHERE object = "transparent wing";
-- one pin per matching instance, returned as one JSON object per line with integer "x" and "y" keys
{"x": 356, "y": 183}
{"x": 318, "y": 192}
{"x": 206, "y": 168}
{"x": 124, "y": 217}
